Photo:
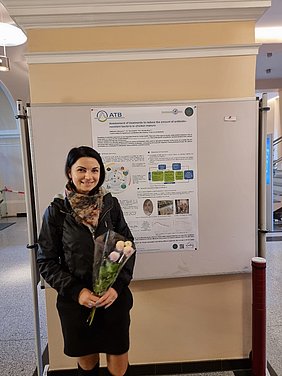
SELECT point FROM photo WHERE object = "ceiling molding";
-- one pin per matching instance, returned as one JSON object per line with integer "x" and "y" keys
{"x": 71, "y": 13}
{"x": 127, "y": 55}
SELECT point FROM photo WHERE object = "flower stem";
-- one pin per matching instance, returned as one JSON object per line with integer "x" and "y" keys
{"x": 91, "y": 316}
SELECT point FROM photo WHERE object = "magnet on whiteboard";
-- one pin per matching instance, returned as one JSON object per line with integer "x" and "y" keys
{"x": 230, "y": 118}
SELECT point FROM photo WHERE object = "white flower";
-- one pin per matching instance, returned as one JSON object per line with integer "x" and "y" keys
{"x": 120, "y": 245}
{"x": 128, "y": 250}
{"x": 128, "y": 242}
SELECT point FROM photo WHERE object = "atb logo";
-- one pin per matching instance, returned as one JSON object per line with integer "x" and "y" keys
{"x": 102, "y": 115}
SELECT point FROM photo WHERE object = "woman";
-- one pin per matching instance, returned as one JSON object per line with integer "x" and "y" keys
{"x": 65, "y": 260}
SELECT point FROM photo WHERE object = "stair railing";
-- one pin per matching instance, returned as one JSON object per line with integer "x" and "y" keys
{"x": 276, "y": 142}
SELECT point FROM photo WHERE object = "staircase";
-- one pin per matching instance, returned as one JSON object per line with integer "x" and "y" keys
{"x": 277, "y": 199}
{"x": 277, "y": 184}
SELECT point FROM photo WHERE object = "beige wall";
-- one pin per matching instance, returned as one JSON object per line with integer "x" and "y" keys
{"x": 173, "y": 320}
{"x": 142, "y": 36}
{"x": 191, "y": 319}
{"x": 156, "y": 80}
{"x": 138, "y": 81}
{"x": 178, "y": 320}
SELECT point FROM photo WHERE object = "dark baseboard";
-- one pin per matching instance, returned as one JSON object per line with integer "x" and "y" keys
{"x": 240, "y": 367}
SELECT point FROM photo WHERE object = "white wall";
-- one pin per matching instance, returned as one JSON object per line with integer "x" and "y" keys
{"x": 11, "y": 170}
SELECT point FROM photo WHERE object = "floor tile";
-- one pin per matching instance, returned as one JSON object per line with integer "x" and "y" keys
{"x": 17, "y": 358}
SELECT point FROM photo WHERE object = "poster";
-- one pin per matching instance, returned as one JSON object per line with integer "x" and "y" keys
{"x": 150, "y": 156}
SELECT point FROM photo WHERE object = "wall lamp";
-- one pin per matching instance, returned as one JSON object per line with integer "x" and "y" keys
{"x": 10, "y": 35}
{"x": 4, "y": 62}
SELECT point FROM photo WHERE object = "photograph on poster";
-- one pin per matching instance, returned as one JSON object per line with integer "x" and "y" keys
{"x": 165, "y": 207}
{"x": 182, "y": 206}
{"x": 148, "y": 206}
{"x": 150, "y": 155}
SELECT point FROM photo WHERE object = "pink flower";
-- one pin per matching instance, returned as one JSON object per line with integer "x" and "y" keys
{"x": 114, "y": 256}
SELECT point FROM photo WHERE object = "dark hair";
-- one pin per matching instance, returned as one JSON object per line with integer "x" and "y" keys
{"x": 88, "y": 152}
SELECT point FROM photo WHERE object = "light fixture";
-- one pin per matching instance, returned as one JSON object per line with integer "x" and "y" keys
{"x": 10, "y": 35}
{"x": 4, "y": 62}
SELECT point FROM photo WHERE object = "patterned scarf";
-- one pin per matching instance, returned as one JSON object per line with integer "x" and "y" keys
{"x": 86, "y": 208}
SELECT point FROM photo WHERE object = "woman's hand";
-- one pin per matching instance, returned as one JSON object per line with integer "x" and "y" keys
{"x": 87, "y": 298}
{"x": 107, "y": 299}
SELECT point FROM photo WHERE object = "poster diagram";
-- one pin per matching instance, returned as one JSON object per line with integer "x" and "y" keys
{"x": 117, "y": 177}
{"x": 150, "y": 156}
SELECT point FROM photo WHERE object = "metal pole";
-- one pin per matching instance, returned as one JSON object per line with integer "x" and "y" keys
{"x": 262, "y": 230}
{"x": 259, "y": 316}
{"x": 31, "y": 224}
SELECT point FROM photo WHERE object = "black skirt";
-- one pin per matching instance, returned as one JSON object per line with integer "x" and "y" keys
{"x": 108, "y": 333}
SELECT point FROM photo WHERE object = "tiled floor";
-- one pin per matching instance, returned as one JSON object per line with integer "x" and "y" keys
{"x": 17, "y": 342}
{"x": 274, "y": 302}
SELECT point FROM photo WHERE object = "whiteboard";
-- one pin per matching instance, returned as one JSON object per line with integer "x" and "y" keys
{"x": 227, "y": 183}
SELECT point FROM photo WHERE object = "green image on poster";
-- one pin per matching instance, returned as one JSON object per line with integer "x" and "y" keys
{"x": 157, "y": 176}
{"x": 169, "y": 176}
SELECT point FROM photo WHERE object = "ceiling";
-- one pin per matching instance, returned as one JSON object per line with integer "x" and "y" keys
{"x": 47, "y": 13}
{"x": 270, "y": 55}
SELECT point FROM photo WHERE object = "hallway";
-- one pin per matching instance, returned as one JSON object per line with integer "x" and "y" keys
{"x": 17, "y": 354}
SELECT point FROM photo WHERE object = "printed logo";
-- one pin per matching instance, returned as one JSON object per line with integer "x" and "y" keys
{"x": 174, "y": 111}
{"x": 189, "y": 111}
{"x": 102, "y": 115}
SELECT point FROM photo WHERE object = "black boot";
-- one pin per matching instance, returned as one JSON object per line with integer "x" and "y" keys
{"x": 127, "y": 373}
{"x": 91, "y": 372}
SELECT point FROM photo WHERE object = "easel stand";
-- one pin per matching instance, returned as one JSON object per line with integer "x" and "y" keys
{"x": 31, "y": 223}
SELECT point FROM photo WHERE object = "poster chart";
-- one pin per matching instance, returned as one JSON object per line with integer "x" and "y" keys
{"x": 150, "y": 157}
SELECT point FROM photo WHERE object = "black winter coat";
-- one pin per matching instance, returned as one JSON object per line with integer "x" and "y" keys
{"x": 66, "y": 248}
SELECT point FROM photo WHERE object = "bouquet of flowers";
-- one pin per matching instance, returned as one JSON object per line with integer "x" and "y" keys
{"x": 111, "y": 253}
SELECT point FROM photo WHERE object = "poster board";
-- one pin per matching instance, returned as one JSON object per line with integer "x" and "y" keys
{"x": 226, "y": 183}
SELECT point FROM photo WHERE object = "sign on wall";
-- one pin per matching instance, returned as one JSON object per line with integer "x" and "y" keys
{"x": 150, "y": 156}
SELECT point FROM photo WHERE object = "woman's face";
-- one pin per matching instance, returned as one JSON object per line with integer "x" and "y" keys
{"x": 85, "y": 174}
{"x": 148, "y": 207}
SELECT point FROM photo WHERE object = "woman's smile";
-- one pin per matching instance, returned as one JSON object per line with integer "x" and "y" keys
{"x": 85, "y": 174}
